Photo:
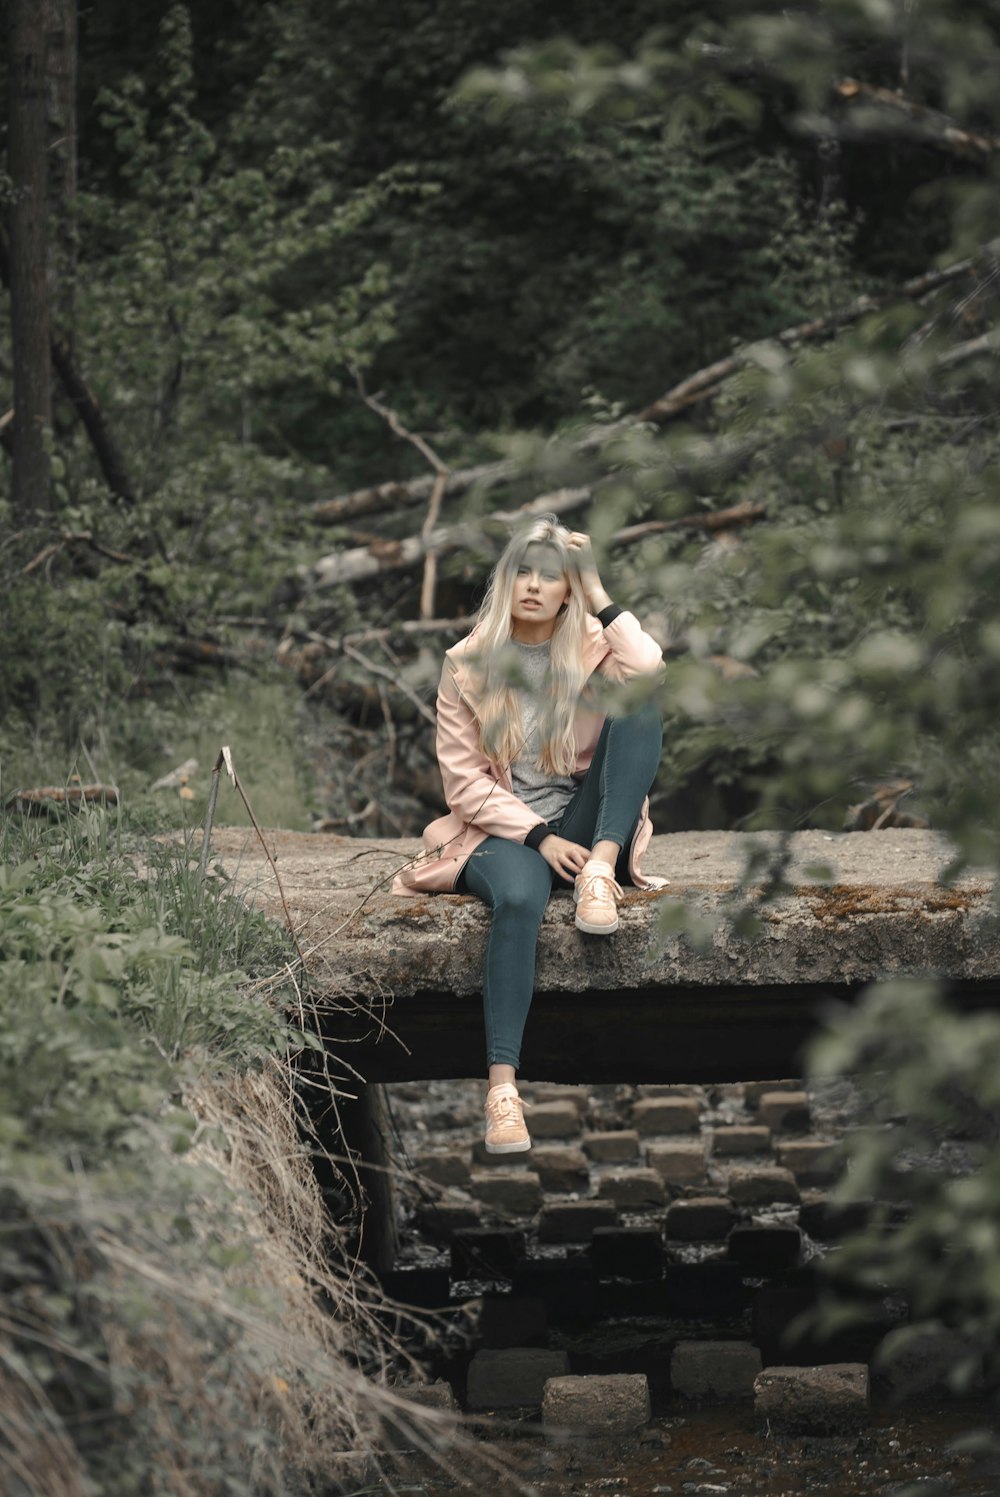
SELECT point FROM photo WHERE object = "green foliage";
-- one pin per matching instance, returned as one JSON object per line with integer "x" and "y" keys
{"x": 124, "y": 989}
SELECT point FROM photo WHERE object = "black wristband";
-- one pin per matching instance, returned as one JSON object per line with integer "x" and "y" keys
{"x": 608, "y": 615}
{"x": 538, "y": 835}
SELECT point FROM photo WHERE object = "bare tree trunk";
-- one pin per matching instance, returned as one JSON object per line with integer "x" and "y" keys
{"x": 61, "y": 36}
{"x": 27, "y": 138}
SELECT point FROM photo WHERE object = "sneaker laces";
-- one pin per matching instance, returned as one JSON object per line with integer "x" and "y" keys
{"x": 505, "y": 1106}
{"x": 594, "y": 877}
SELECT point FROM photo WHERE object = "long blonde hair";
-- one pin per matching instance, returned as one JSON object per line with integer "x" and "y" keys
{"x": 497, "y": 706}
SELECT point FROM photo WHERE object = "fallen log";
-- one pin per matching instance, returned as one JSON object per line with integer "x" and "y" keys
{"x": 43, "y": 798}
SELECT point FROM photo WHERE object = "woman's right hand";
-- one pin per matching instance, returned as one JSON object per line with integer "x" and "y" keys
{"x": 566, "y": 858}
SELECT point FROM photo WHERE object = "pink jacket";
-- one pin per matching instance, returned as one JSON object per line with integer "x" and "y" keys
{"x": 478, "y": 790}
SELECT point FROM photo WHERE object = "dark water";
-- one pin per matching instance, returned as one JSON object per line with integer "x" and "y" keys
{"x": 709, "y": 1452}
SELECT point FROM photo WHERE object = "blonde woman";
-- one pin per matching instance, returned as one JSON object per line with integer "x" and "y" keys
{"x": 544, "y": 790}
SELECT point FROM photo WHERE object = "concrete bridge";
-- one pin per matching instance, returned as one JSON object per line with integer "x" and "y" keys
{"x": 396, "y": 981}
{"x": 399, "y": 978}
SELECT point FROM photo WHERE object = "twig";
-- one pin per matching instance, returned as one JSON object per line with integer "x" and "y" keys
{"x": 441, "y": 472}
{"x": 213, "y": 796}
{"x": 388, "y": 675}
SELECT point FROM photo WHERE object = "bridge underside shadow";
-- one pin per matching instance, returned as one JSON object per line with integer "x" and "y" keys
{"x": 656, "y": 1034}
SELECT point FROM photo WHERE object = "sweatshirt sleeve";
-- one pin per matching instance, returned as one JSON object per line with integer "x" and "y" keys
{"x": 470, "y": 790}
{"x": 632, "y": 652}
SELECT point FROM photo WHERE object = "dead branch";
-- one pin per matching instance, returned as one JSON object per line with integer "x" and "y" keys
{"x": 38, "y": 801}
{"x": 703, "y": 384}
{"x": 399, "y": 492}
{"x": 711, "y": 520}
{"x": 884, "y": 113}
{"x": 361, "y": 562}
{"x": 382, "y": 670}
{"x": 441, "y": 472}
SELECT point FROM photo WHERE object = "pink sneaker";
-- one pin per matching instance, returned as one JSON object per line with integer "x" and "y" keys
{"x": 596, "y": 897}
{"x": 505, "y": 1130}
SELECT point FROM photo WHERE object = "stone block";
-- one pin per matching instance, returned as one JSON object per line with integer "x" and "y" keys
{"x": 616, "y": 1146}
{"x": 701, "y": 1218}
{"x": 813, "y": 1161}
{"x": 513, "y": 1378}
{"x": 577, "y": 1096}
{"x": 574, "y": 1221}
{"x": 483, "y": 1161}
{"x": 634, "y": 1189}
{"x": 761, "y": 1185}
{"x": 439, "y": 1395}
{"x": 507, "y": 1320}
{"x": 440, "y": 1220}
{"x": 741, "y": 1138}
{"x": 754, "y": 1090}
{"x": 627, "y": 1253}
{"x": 451, "y": 1168}
{"x": 679, "y": 1164}
{"x": 616, "y": 1404}
{"x": 561, "y": 1169}
{"x": 714, "y": 1369}
{"x": 828, "y": 1400}
{"x": 827, "y": 1220}
{"x": 515, "y": 1194}
{"x": 666, "y": 1115}
{"x": 553, "y": 1120}
{"x": 427, "y": 1288}
{"x": 785, "y": 1111}
{"x": 670, "y": 1089}
{"x": 694, "y": 1291}
{"x": 398, "y": 1432}
{"x": 765, "y": 1250}
{"x": 485, "y": 1254}
{"x": 567, "y": 1286}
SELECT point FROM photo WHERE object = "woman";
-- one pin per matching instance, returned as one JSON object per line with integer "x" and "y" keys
{"x": 544, "y": 791}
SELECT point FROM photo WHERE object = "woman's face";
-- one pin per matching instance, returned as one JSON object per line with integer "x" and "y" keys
{"x": 540, "y": 588}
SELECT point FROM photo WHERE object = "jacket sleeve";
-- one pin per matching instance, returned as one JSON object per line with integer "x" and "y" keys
{"x": 632, "y": 652}
{"x": 470, "y": 790}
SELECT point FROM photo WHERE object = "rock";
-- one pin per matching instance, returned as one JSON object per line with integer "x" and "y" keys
{"x": 761, "y": 1185}
{"x": 574, "y": 1221}
{"x": 765, "y": 1249}
{"x": 679, "y": 1164}
{"x": 567, "y": 1287}
{"x": 553, "y": 1120}
{"x": 696, "y": 1291}
{"x": 666, "y": 1115}
{"x": 634, "y": 1189}
{"x": 437, "y": 1395}
{"x": 577, "y": 1096}
{"x": 616, "y": 1404}
{"x": 827, "y": 1220}
{"x": 827, "y": 1400}
{"x": 513, "y": 1378}
{"x": 485, "y": 1254}
{"x": 517, "y": 1194}
{"x": 785, "y": 1110}
{"x": 561, "y": 1169}
{"x": 399, "y": 1433}
{"x": 616, "y": 1147}
{"x": 916, "y": 1359}
{"x": 714, "y": 1369}
{"x": 702, "y": 1218}
{"x": 741, "y": 1138}
{"x": 627, "y": 1253}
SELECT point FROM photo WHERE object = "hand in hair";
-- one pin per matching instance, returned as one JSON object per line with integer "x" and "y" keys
{"x": 566, "y": 858}
{"x": 580, "y": 551}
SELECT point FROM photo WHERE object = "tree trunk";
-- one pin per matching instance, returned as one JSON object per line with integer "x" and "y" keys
{"x": 27, "y": 155}
{"x": 61, "y": 36}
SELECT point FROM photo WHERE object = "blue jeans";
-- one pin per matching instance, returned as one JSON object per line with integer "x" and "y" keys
{"x": 515, "y": 881}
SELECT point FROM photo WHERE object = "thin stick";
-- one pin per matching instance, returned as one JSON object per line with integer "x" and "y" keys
{"x": 213, "y": 796}
{"x": 388, "y": 675}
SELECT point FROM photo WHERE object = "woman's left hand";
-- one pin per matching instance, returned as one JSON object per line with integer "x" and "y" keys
{"x": 580, "y": 551}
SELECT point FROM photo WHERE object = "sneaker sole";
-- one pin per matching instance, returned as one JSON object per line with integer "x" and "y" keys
{"x": 596, "y": 930}
{"x": 509, "y": 1148}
